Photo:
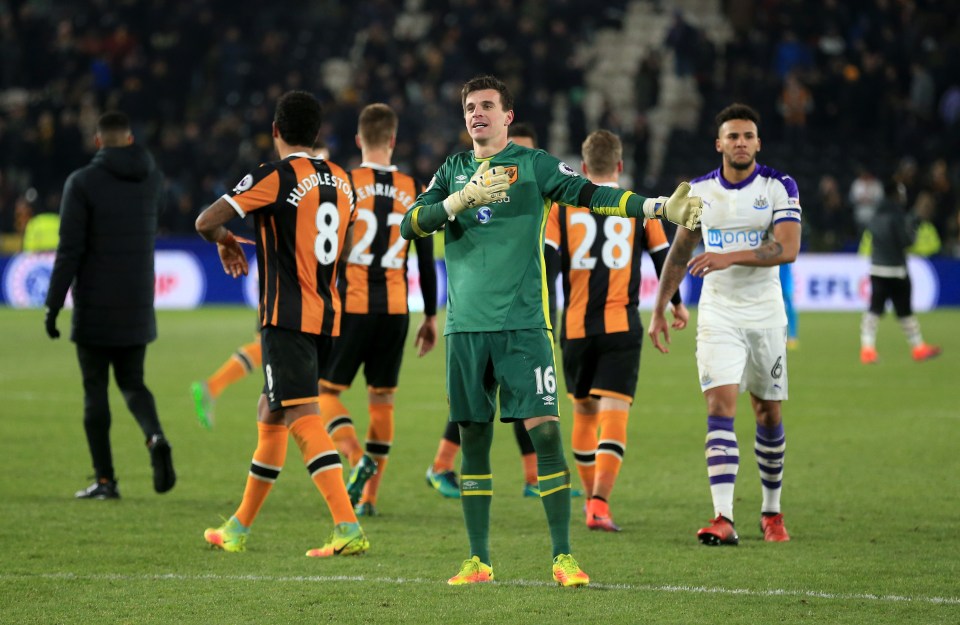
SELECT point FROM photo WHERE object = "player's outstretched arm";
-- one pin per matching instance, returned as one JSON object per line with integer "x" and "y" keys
{"x": 680, "y": 208}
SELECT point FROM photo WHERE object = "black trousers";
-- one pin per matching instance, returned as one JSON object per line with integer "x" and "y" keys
{"x": 896, "y": 290}
{"x": 127, "y": 361}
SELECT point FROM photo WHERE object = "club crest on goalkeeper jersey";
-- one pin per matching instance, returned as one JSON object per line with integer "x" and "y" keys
{"x": 738, "y": 217}
{"x": 494, "y": 254}
{"x": 302, "y": 207}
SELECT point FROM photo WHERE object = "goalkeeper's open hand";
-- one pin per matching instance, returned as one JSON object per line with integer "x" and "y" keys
{"x": 681, "y": 208}
{"x": 484, "y": 187}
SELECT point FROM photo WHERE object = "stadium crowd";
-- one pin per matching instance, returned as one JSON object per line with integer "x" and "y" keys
{"x": 848, "y": 92}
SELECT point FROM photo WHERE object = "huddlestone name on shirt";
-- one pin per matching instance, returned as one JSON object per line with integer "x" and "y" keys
{"x": 316, "y": 180}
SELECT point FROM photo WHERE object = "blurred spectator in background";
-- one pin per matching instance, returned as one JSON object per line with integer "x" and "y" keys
{"x": 831, "y": 217}
{"x": 42, "y": 233}
{"x": 680, "y": 39}
{"x": 641, "y": 149}
{"x": 891, "y": 231}
{"x": 927, "y": 241}
{"x": 795, "y": 104}
{"x": 199, "y": 81}
{"x": 866, "y": 193}
{"x": 647, "y": 81}
{"x": 907, "y": 174}
{"x": 949, "y": 108}
{"x": 923, "y": 94}
{"x": 943, "y": 190}
{"x": 791, "y": 55}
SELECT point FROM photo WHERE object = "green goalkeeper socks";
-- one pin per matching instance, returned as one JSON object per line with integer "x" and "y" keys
{"x": 554, "y": 478}
{"x": 476, "y": 486}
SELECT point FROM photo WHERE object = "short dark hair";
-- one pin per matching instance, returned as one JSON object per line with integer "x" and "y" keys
{"x": 602, "y": 151}
{"x": 298, "y": 118}
{"x": 486, "y": 81}
{"x": 378, "y": 124}
{"x": 113, "y": 121}
{"x": 523, "y": 129}
{"x": 737, "y": 111}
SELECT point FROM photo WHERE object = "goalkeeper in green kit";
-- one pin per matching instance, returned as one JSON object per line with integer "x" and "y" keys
{"x": 494, "y": 202}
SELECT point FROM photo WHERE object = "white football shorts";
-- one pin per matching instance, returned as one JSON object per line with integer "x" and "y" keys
{"x": 755, "y": 359}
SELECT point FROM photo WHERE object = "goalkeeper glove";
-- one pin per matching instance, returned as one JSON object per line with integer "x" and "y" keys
{"x": 680, "y": 208}
{"x": 484, "y": 187}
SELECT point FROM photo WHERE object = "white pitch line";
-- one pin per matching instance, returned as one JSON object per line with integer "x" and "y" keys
{"x": 667, "y": 588}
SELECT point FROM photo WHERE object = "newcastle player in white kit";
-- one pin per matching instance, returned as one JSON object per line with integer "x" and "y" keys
{"x": 750, "y": 226}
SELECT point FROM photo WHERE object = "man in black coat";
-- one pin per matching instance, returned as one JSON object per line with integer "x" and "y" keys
{"x": 108, "y": 224}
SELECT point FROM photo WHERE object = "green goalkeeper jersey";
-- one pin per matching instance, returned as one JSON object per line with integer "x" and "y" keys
{"x": 496, "y": 279}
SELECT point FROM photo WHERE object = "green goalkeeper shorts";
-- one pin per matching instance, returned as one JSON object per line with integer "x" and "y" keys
{"x": 518, "y": 363}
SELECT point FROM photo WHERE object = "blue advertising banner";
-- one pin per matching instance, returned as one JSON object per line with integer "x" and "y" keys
{"x": 189, "y": 274}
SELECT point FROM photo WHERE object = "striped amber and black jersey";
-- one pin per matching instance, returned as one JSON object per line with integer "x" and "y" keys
{"x": 302, "y": 207}
{"x": 600, "y": 262}
{"x": 376, "y": 271}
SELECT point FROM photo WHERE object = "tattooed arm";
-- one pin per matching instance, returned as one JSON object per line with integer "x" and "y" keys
{"x": 781, "y": 249}
{"x": 674, "y": 269}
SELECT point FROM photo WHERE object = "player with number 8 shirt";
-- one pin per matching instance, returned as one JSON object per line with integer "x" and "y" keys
{"x": 303, "y": 207}
{"x": 494, "y": 201}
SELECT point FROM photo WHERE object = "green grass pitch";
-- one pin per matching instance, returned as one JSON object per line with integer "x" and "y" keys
{"x": 870, "y": 497}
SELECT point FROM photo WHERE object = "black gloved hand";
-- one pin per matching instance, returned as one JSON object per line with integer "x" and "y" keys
{"x": 50, "y": 322}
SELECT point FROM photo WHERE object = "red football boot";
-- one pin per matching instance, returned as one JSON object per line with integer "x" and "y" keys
{"x": 773, "y": 528}
{"x": 719, "y": 532}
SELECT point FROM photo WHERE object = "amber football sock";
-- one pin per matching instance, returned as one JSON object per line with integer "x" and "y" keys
{"x": 340, "y": 427}
{"x": 323, "y": 465}
{"x": 265, "y": 468}
{"x": 448, "y": 448}
{"x": 584, "y": 442}
{"x": 610, "y": 449}
{"x": 245, "y": 360}
{"x": 379, "y": 440}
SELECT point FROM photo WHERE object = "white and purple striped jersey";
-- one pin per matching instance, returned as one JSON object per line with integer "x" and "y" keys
{"x": 738, "y": 217}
